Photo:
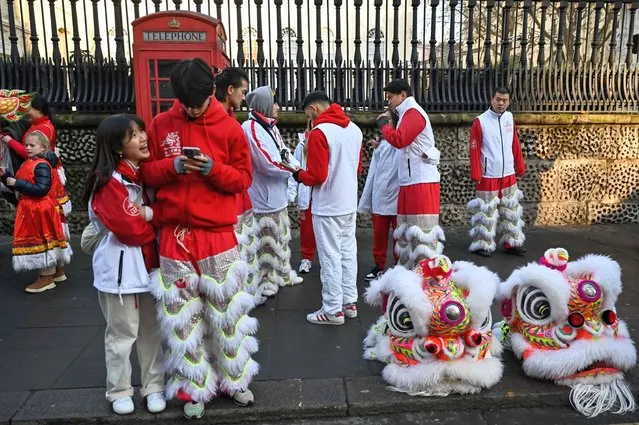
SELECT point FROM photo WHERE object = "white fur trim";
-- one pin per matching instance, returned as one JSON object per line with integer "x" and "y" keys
{"x": 170, "y": 323}
{"x": 199, "y": 394}
{"x": 432, "y": 235}
{"x": 377, "y": 343}
{"x": 481, "y": 284}
{"x": 558, "y": 364}
{"x": 551, "y": 282}
{"x": 244, "y": 327}
{"x": 234, "y": 279}
{"x": 407, "y": 285}
{"x": 512, "y": 201}
{"x": 44, "y": 260}
{"x": 512, "y": 215}
{"x": 195, "y": 372}
{"x": 479, "y": 204}
{"x": 238, "y": 306}
{"x": 233, "y": 361}
{"x": 484, "y": 219}
{"x": 228, "y": 385}
{"x": 482, "y": 244}
{"x": 604, "y": 270}
{"x": 482, "y": 232}
{"x": 460, "y": 376}
{"x": 513, "y": 241}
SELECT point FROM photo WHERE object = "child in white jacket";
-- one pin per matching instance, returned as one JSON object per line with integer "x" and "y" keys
{"x": 125, "y": 254}
{"x": 301, "y": 195}
{"x": 379, "y": 197}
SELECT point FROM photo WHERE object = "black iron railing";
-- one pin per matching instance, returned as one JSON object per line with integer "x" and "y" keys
{"x": 555, "y": 55}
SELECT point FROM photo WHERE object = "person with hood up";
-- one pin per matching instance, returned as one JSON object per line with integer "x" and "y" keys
{"x": 334, "y": 161}
{"x": 202, "y": 276}
{"x": 269, "y": 192}
{"x": 379, "y": 197}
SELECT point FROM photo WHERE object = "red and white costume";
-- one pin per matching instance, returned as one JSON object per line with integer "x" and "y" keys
{"x": 495, "y": 158}
{"x": 45, "y": 126}
{"x": 200, "y": 290}
{"x": 418, "y": 234}
{"x": 122, "y": 263}
{"x": 333, "y": 163}
{"x": 268, "y": 194}
{"x": 379, "y": 197}
{"x": 39, "y": 242}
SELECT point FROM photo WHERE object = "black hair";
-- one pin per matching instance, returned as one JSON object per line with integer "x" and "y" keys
{"x": 229, "y": 77}
{"x": 315, "y": 97}
{"x": 398, "y": 86}
{"x": 111, "y": 135}
{"x": 40, "y": 103}
{"x": 501, "y": 90}
{"x": 192, "y": 82}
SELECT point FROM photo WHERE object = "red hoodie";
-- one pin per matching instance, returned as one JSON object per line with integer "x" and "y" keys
{"x": 194, "y": 199}
{"x": 316, "y": 171}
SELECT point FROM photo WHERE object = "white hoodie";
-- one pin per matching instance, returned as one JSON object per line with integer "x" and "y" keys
{"x": 382, "y": 182}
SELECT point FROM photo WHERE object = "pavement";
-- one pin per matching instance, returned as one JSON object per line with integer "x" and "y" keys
{"x": 52, "y": 352}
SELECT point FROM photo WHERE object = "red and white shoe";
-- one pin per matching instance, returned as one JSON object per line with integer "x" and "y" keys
{"x": 321, "y": 318}
{"x": 350, "y": 310}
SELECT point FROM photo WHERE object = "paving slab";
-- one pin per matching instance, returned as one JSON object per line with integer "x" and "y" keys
{"x": 284, "y": 399}
{"x": 10, "y": 403}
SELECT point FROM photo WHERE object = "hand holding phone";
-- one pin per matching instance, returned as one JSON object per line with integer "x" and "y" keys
{"x": 191, "y": 152}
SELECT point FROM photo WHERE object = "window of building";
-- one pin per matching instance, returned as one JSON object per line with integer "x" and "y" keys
{"x": 371, "y": 45}
{"x": 249, "y": 35}
{"x": 289, "y": 37}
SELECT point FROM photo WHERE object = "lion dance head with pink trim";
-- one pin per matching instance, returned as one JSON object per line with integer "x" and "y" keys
{"x": 435, "y": 332}
{"x": 560, "y": 320}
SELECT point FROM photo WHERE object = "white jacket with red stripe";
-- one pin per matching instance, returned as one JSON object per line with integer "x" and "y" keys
{"x": 268, "y": 191}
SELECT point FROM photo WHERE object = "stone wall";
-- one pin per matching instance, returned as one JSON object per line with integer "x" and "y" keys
{"x": 581, "y": 169}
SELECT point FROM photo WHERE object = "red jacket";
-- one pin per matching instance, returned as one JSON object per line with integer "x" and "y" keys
{"x": 112, "y": 205}
{"x": 43, "y": 125}
{"x": 193, "y": 199}
{"x": 316, "y": 171}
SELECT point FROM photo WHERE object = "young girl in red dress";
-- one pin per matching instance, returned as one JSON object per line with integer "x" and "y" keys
{"x": 39, "y": 242}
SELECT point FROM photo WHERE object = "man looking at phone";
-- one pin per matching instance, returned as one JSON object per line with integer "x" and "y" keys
{"x": 418, "y": 234}
{"x": 334, "y": 161}
{"x": 199, "y": 162}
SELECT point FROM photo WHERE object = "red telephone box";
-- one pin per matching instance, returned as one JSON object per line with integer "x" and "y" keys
{"x": 162, "y": 39}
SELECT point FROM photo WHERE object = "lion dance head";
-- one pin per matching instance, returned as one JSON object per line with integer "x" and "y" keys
{"x": 435, "y": 331}
{"x": 560, "y": 320}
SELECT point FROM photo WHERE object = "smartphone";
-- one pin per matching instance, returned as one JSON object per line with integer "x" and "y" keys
{"x": 190, "y": 152}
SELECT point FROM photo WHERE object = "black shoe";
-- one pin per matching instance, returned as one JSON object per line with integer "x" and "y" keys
{"x": 374, "y": 274}
{"x": 483, "y": 253}
{"x": 516, "y": 250}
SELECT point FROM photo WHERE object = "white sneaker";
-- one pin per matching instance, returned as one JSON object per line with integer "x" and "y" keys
{"x": 321, "y": 318}
{"x": 350, "y": 310}
{"x": 155, "y": 402}
{"x": 294, "y": 279}
{"x": 123, "y": 406}
{"x": 193, "y": 410}
{"x": 243, "y": 398}
{"x": 305, "y": 266}
{"x": 268, "y": 293}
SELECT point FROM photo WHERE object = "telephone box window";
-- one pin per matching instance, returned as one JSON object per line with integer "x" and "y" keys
{"x": 160, "y": 85}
